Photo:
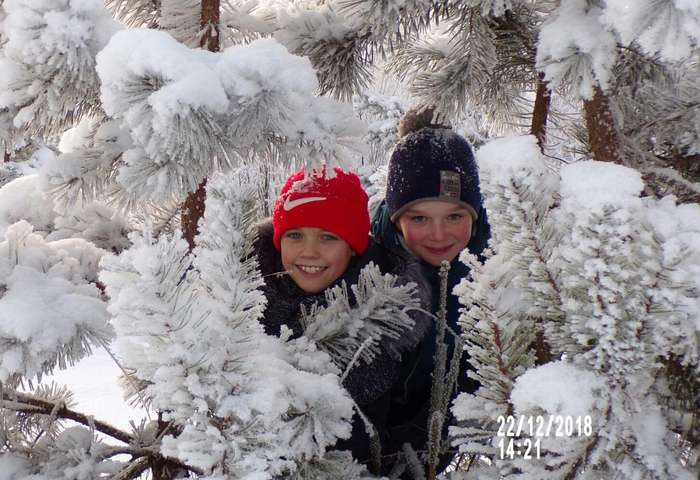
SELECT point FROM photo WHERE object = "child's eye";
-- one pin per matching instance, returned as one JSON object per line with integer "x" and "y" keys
{"x": 292, "y": 235}
{"x": 328, "y": 237}
{"x": 455, "y": 217}
{"x": 419, "y": 218}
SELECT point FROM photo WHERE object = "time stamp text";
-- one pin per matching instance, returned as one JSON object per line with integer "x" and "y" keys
{"x": 521, "y": 436}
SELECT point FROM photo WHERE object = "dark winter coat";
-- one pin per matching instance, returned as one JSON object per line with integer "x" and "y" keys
{"x": 410, "y": 404}
{"x": 368, "y": 385}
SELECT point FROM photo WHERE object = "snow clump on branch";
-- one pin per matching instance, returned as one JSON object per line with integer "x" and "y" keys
{"x": 192, "y": 111}
{"x": 51, "y": 313}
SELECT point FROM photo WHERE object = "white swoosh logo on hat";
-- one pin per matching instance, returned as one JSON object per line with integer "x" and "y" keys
{"x": 290, "y": 204}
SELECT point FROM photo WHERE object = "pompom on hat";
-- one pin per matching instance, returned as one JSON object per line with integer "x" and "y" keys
{"x": 336, "y": 204}
{"x": 431, "y": 162}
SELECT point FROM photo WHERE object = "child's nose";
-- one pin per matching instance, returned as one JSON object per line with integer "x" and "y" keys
{"x": 311, "y": 248}
{"x": 437, "y": 232}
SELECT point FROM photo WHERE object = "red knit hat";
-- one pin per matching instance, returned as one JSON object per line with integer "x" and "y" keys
{"x": 338, "y": 205}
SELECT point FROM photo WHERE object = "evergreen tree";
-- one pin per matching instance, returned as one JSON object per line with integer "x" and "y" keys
{"x": 154, "y": 118}
{"x": 599, "y": 271}
{"x": 585, "y": 307}
{"x": 508, "y": 60}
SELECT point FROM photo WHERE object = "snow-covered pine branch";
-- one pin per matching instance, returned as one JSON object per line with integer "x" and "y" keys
{"x": 144, "y": 284}
{"x": 381, "y": 309}
{"x": 472, "y": 61}
{"x": 97, "y": 223}
{"x": 519, "y": 194}
{"x": 74, "y": 453}
{"x": 575, "y": 48}
{"x": 87, "y": 167}
{"x": 443, "y": 72}
{"x": 498, "y": 336}
{"x": 190, "y": 112}
{"x": 616, "y": 300}
{"x": 391, "y": 20}
{"x": 272, "y": 94}
{"x": 50, "y": 309}
{"x": 174, "y": 115}
{"x": 23, "y": 199}
{"x": 337, "y": 47}
{"x": 658, "y": 104}
{"x": 135, "y": 13}
{"x": 48, "y": 61}
{"x": 243, "y": 402}
{"x": 666, "y": 27}
{"x": 168, "y": 98}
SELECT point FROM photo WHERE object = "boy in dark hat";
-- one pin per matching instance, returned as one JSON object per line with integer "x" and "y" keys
{"x": 433, "y": 209}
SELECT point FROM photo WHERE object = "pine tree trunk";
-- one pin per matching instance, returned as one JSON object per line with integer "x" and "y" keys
{"x": 192, "y": 211}
{"x": 541, "y": 111}
{"x": 211, "y": 19}
{"x": 603, "y": 141}
{"x": 193, "y": 208}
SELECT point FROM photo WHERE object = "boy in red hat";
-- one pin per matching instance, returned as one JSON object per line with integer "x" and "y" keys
{"x": 319, "y": 223}
{"x": 318, "y": 238}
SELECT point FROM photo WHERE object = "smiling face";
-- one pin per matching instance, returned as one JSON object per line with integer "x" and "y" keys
{"x": 435, "y": 231}
{"x": 313, "y": 257}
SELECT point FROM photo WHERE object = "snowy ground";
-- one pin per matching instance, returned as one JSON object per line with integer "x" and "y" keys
{"x": 94, "y": 384}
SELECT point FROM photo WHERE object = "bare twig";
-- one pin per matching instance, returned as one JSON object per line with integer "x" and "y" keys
{"x": 25, "y": 403}
{"x": 21, "y": 402}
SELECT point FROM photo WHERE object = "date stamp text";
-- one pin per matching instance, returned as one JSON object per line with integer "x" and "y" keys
{"x": 521, "y": 435}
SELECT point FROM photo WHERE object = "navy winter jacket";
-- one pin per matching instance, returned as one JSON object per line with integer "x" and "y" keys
{"x": 410, "y": 404}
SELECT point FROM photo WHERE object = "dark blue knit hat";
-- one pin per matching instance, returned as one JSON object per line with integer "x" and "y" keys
{"x": 431, "y": 162}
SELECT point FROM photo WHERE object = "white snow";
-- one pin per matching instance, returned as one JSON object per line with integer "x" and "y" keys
{"x": 504, "y": 156}
{"x": 558, "y": 388}
{"x": 594, "y": 184}
{"x": 47, "y": 302}
{"x": 669, "y": 28}
{"x": 94, "y": 383}
{"x": 13, "y": 468}
{"x": 23, "y": 199}
{"x": 574, "y": 44}
{"x": 185, "y": 72}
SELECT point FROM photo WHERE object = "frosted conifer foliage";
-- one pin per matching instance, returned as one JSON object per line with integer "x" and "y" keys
{"x": 188, "y": 325}
{"x": 511, "y": 292}
{"x": 668, "y": 27}
{"x": 382, "y": 310}
{"x": 191, "y": 111}
{"x": 389, "y": 17}
{"x": 51, "y": 313}
{"x": 383, "y": 113}
{"x": 48, "y": 70}
{"x": 599, "y": 271}
{"x": 23, "y": 199}
{"x": 167, "y": 97}
{"x": 574, "y": 46}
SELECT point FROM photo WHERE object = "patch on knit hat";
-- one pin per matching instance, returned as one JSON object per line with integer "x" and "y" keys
{"x": 450, "y": 184}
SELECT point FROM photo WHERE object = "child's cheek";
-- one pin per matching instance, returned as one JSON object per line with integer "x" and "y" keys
{"x": 412, "y": 237}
